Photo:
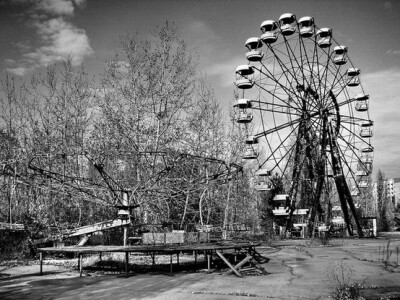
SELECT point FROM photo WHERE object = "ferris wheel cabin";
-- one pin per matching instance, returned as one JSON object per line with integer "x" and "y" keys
{"x": 367, "y": 151}
{"x": 366, "y": 159}
{"x": 339, "y": 55}
{"x": 243, "y": 112}
{"x": 269, "y": 29}
{"x": 251, "y": 140}
{"x": 324, "y": 37}
{"x": 361, "y": 102}
{"x": 366, "y": 128}
{"x": 281, "y": 202}
{"x": 367, "y": 156}
{"x": 362, "y": 177}
{"x": 306, "y": 25}
{"x": 365, "y": 165}
{"x": 353, "y": 77}
{"x": 363, "y": 183}
{"x": 254, "y": 54}
{"x": 262, "y": 181}
{"x": 250, "y": 152}
{"x": 354, "y": 191}
{"x": 242, "y": 77}
{"x": 287, "y": 24}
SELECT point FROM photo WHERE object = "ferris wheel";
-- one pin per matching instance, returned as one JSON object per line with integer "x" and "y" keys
{"x": 305, "y": 114}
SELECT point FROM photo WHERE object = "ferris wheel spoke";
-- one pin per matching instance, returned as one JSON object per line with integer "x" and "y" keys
{"x": 273, "y": 77}
{"x": 293, "y": 59}
{"x": 286, "y": 71}
{"x": 274, "y": 108}
{"x": 347, "y": 164}
{"x": 277, "y": 128}
{"x": 359, "y": 138}
{"x": 279, "y": 146}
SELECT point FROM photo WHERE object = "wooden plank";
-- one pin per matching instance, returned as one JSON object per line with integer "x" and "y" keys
{"x": 146, "y": 248}
{"x": 257, "y": 259}
{"x": 240, "y": 264}
{"x": 99, "y": 227}
{"x": 228, "y": 264}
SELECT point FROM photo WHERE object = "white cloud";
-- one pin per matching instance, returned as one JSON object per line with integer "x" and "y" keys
{"x": 224, "y": 71}
{"x": 58, "y": 37}
{"x": 19, "y": 71}
{"x": 393, "y": 52}
{"x": 57, "y": 7}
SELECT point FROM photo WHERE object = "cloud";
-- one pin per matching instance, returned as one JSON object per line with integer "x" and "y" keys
{"x": 60, "y": 38}
{"x": 393, "y": 52}
{"x": 57, "y": 7}
{"x": 205, "y": 35}
{"x": 19, "y": 71}
{"x": 224, "y": 71}
{"x": 57, "y": 36}
{"x": 387, "y": 5}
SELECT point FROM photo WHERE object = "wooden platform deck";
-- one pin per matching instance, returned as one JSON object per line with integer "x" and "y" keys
{"x": 209, "y": 249}
{"x": 149, "y": 248}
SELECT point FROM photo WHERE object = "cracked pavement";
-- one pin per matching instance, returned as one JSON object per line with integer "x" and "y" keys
{"x": 294, "y": 272}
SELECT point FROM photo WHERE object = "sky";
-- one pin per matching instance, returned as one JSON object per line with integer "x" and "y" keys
{"x": 35, "y": 33}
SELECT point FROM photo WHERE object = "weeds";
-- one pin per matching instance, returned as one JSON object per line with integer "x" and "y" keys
{"x": 385, "y": 255}
{"x": 339, "y": 273}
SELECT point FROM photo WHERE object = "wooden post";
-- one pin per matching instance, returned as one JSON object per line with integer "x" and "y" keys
{"x": 80, "y": 263}
{"x": 208, "y": 262}
{"x": 195, "y": 258}
{"x": 177, "y": 259}
{"x": 125, "y": 235}
{"x": 127, "y": 264}
{"x": 171, "y": 264}
{"x": 153, "y": 260}
{"x": 41, "y": 262}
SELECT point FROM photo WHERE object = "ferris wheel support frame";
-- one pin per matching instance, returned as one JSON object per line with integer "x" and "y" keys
{"x": 342, "y": 188}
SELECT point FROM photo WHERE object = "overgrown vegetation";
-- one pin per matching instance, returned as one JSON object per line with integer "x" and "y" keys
{"x": 151, "y": 128}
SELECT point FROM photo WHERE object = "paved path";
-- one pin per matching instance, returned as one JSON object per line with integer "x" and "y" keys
{"x": 295, "y": 272}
